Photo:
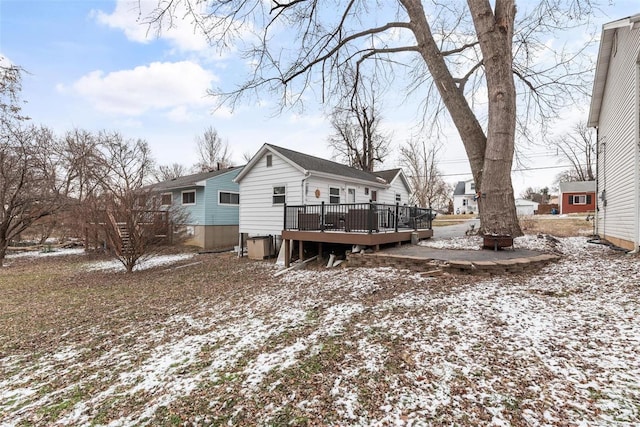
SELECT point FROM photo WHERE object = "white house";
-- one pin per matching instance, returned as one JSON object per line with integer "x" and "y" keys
{"x": 275, "y": 176}
{"x": 464, "y": 197}
{"x": 526, "y": 207}
{"x": 614, "y": 112}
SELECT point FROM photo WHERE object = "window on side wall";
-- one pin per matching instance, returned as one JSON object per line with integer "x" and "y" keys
{"x": 189, "y": 197}
{"x": 166, "y": 199}
{"x": 269, "y": 160}
{"x": 398, "y": 198}
{"x": 228, "y": 198}
{"x": 279, "y": 195}
{"x": 334, "y": 195}
{"x": 578, "y": 200}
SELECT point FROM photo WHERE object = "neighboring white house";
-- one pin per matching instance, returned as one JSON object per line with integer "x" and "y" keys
{"x": 526, "y": 207}
{"x": 464, "y": 198}
{"x": 275, "y": 176}
{"x": 614, "y": 112}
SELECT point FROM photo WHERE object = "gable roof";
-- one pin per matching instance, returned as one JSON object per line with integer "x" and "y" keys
{"x": 578, "y": 187}
{"x": 607, "y": 40}
{"x": 390, "y": 175}
{"x": 311, "y": 164}
{"x": 194, "y": 180}
{"x": 459, "y": 190}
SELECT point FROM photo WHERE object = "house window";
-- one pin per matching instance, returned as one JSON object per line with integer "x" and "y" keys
{"x": 269, "y": 160}
{"x": 472, "y": 186}
{"x": 374, "y": 195}
{"x": 334, "y": 195}
{"x": 582, "y": 199}
{"x": 464, "y": 202}
{"x": 279, "y": 195}
{"x": 229, "y": 198}
{"x": 189, "y": 197}
{"x": 398, "y": 197}
{"x": 366, "y": 191}
{"x": 351, "y": 195}
{"x": 166, "y": 199}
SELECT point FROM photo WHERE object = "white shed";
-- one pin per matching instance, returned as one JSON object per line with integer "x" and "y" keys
{"x": 526, "y": 207}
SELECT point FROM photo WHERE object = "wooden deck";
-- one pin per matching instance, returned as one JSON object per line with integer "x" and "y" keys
{"x": 373, "y": 240}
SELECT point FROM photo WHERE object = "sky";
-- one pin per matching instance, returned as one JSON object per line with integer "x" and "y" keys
{"x": 90, "y": 64}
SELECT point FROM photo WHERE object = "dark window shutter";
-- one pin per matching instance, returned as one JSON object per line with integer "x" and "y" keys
{"x": 588, "y": 199}
{"x": 571, "y": 199}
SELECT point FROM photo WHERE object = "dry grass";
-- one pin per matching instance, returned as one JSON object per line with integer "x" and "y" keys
{"x": 223, "y": 342}
{"x": 560, "y": 226}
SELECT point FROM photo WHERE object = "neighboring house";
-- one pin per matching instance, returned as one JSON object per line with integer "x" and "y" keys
{"x": 577, "y": 197}
{"x": 464, "y": 198}
{"x": 275, "y": 176}
{"x": 526, "y": 207}
{"x": 211, "y": 200}
{"x": 614, "y": 113}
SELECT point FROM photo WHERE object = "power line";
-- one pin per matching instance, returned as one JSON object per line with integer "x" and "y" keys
{"x": 514, "y": 170}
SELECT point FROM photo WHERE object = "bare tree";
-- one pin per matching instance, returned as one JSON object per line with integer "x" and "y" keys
{"x": 467, "y": 53}
{"x": 579, "y": 149}
{"x": 420, "y": 160}
{"x": 169, "y": 172}
{"x": 122, "y": 209}
{"x": 213, "y": 152}
{"x": 538, "y": 195}
{"x": 358, "y": 140}
{"x": 32, "y": 181}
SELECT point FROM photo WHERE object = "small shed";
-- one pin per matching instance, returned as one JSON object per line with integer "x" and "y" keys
{"x": 526, "y": 207}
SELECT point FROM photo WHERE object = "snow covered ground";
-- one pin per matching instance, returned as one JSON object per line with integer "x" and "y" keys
{"x": 360, "y": 347}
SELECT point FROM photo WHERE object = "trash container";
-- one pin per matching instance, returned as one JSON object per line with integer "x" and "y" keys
{"x": 259, "y": 247}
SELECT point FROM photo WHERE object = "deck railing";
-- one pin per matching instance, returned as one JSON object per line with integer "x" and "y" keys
{"x": 356, "y": 217}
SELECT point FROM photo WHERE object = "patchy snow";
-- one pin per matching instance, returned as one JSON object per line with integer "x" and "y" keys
{"x": 48, "y": 253}
{"x": 375, "y": 347}
{"x": 144, "y": 264}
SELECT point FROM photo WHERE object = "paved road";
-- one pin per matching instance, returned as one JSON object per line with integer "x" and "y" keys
{"x": 455, "y": 230}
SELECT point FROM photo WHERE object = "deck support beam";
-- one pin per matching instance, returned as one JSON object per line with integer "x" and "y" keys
{"x": 287, "y": 253}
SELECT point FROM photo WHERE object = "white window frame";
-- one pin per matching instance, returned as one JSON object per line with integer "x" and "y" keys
{"x": 273, "y": 195}
{"x": 398, "y": 198}
{"x": 170, "y": 199}
{"x": 194, "y": 198}
{"x": 576, "y": 199}
{"x": 269, "y": 161}
{"x": 220, "y": 192}
{"x": 333, "y": 195}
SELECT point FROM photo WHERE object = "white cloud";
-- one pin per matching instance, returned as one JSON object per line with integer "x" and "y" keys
{"x": 132, "y": 17}
{"x": 159, "y": 86}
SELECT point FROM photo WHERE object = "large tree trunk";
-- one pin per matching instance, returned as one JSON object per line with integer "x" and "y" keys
{"x": 495, "y": 33}
{"x": 490, "y": 156}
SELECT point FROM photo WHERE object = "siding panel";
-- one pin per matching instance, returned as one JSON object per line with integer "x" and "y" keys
{"x": 617, "y": 141}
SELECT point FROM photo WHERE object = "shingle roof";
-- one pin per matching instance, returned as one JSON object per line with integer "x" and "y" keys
{"x": 387, "y": 175}
{"x": 459, "y": 190}
{"x": 191, "y": 180}
{"x": 317, "y": 164}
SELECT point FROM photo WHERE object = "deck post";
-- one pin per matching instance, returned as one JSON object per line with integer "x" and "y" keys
{"x": 395, "y": 218}
{"x": 284, "y": 226}
{"x": 287, "y": 255}
{"x": 415, "y": 217}
{"x": 322, "y": 216}
{"x": 300, "y": 250}
{"x": 319, "y": 252}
